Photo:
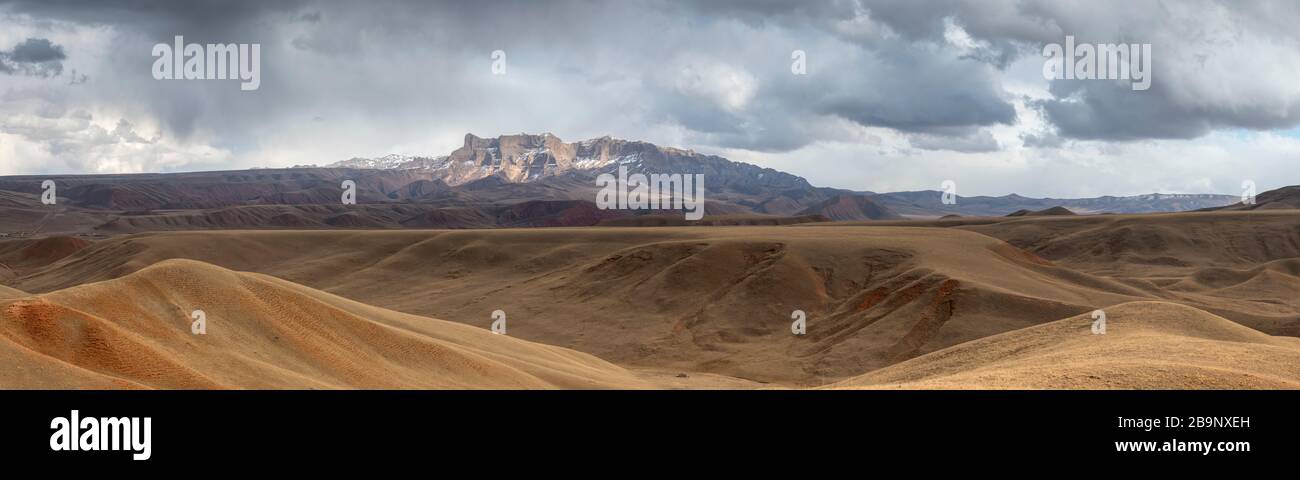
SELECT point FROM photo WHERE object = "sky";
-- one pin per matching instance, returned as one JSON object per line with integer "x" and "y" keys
{"x": 895, "y": 95}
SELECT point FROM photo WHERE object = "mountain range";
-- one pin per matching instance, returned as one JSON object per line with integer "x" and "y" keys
{"x": 929, "y": 202}
{"x": 508, "y": 181}
{"x": 527, "y": 158}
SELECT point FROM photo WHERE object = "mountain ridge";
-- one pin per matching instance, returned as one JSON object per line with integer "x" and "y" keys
{"x": 527, "y": 157}
{"x": 518, "y": 180}
{"x": 522, "y": 158}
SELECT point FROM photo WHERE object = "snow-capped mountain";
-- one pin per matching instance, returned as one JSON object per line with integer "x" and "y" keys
{"x": 526, "y": 158}
{"x": 391, "y": 161}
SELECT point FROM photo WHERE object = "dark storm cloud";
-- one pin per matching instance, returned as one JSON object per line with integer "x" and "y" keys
{"x": 142, "y": 23}
{"x": 970, "y": 142}
{"x": 34, "y": 56}
{"x": 36, "y": 50}
{"x": 923, "y": 104}
{"x": 1112, "y": 111}
{"x": 1207, "y": 55}
{"x": 717, "y": 70}
{"x": 433, "y": 41}
{"x": 1216, "y": 65}
{"x": 156, "y": 17}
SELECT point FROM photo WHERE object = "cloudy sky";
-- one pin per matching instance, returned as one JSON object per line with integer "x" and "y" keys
{"x": 898, "y": 95}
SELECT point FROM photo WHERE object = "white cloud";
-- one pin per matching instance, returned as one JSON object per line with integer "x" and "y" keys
{"x": 727, "y": 86}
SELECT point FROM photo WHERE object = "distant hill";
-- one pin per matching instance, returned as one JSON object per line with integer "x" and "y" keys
{"x": 929, "y": 203}
{"x": 1282, "y": 198}
{"x": 851, "y": 207}
{"x": 1047, "y": 212}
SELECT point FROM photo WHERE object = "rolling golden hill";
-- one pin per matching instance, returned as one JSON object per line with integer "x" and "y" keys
{"x": 1147, "y": 345}
{"x": 262, "y": 332}
{"x": 669, "y": 307}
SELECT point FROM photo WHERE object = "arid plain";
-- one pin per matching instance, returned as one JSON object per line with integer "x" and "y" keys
{"x": 1198, "y": 300}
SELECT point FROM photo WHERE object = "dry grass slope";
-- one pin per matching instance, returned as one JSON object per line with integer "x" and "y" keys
{"x": 1147, "y": 345}
{"x": 693, "y": 299}
{"x": 134, "y": 332}
{"x": 7, "y": 293}
{"x": 1199, "y": 300}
